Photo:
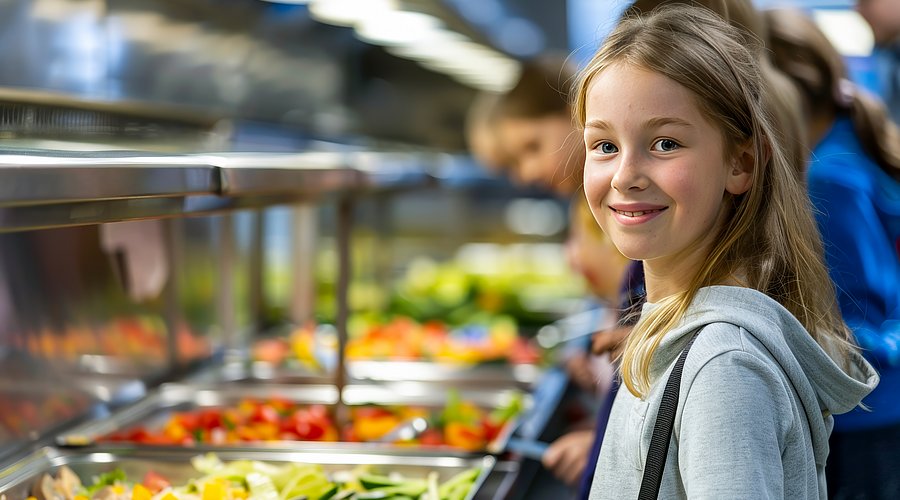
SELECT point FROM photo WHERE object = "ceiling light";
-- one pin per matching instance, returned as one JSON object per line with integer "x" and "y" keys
{"x": 391, "y": 27}
{"x": 846, "y": 30}
{"x": 348, "y": 12}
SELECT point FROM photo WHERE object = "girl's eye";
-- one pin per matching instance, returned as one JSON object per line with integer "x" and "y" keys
{"x": 665, "y": 145}
{"x": 607, "y": 148}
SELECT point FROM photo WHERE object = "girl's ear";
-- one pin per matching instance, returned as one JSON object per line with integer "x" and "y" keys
{"x": 740, "y": 175}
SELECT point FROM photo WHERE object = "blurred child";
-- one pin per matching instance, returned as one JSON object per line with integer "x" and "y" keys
{"x": 883, "y": 17}
{"x": 684, "y": 171}
{"x": 527, "y": 131}
{"x": 853, "y": 183}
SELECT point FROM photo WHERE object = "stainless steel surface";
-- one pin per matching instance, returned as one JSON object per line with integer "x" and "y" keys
{"x": 251, "y": 61}
{"x": 112, "y": 390}
{"x": 426, "y": 394}
{"x": 344, "y": 224}
{"x": 31, "y": 410}
{"x": 492, "y": 375}
{"x": 31, "y": 177}
{"x": 235, "y": 59}
{"x": 43, "y": 189}
{"x": 298, "y": 174}
{"x": 257, "y": 372}
{"x": 19, "y": 371}
{"x": 17, "y": 478}
{"x": 61, "y": 215}
{"x": 442, "y": 375}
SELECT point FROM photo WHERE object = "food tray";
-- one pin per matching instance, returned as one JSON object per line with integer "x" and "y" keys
{"x": 17, "y": 478}
{"x": 153, "y": 411}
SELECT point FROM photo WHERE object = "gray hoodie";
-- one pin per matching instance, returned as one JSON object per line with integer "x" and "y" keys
{"x": 754, "y": 416}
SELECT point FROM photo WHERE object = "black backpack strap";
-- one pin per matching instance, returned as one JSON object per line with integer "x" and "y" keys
{"x": 662, "y": 431}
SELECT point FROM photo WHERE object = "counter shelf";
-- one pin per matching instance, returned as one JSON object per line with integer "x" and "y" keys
{"x": 17, "y": 478}
{"x": 38, "y": 177}
{"x": 258, "y": 372}
{"x": 153, "y": 411}
{"x": 492, "y": 375}
{"x": 504, "y": 375}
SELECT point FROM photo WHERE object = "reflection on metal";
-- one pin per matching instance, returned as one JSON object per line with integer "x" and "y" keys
{"x": 344, "y": 225}
{"x": 58, "y": 215}
{"x": 33, "y": 180}
{"x": 235, "y": 58}
{"x": 40, "y": 189}
{"x": 304, "y": 239}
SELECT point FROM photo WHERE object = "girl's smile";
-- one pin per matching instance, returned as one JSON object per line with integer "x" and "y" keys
{"x": 636, "y": 213}
{"x": 657, "y": 172}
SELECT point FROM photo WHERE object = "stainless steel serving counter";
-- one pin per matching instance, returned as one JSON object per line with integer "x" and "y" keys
{"x": 31, "y": 177}
{"x": 46, "y": 188}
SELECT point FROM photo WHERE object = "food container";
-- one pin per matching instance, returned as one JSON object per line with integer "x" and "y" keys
{"x": 18, "y": 478}
{"x": 401, "y": 350}
{"x": 156, "y": 410}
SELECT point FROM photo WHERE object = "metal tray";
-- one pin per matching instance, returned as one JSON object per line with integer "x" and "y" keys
{"x": 256, "y": 372}
{"x": 154, "y": 410}
{"x": 17, "y": 478}
{"x": 494, "y": 375}
{"x": 524, "y": 376}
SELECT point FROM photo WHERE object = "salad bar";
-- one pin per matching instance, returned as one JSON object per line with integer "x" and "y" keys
{"x": 139, "y": 361}
{"x": 173, "y": 474}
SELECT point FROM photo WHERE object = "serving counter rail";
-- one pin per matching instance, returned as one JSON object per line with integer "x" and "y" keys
{"x": 41, "y": 188}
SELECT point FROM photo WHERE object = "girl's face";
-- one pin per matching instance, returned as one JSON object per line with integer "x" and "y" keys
{"x": 656, "y": 170}
{"x": 542, "y": 151}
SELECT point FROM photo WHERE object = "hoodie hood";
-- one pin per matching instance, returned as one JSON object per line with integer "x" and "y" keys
{"x": 823, "y": 387}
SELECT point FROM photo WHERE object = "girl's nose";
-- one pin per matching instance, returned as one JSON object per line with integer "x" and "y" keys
{"x": 629, "y": 173}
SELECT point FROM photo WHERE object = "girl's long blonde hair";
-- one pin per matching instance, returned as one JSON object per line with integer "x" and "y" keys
{"x": 769, "y": 239}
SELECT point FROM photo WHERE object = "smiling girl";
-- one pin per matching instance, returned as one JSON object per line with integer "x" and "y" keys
{"x": 685, "y": 172}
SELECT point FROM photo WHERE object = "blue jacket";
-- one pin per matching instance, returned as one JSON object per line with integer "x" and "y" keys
{"x": 858, "y": 212}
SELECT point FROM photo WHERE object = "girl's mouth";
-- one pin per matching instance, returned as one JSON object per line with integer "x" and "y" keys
{"x": 638, "y": 213}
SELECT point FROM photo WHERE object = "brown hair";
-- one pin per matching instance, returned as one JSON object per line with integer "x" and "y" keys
{"x": 806, "y": 55}
{"x": 769, "y": 241}
{"x": 780, "y": 94}
{"x": 541, "y": 90}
